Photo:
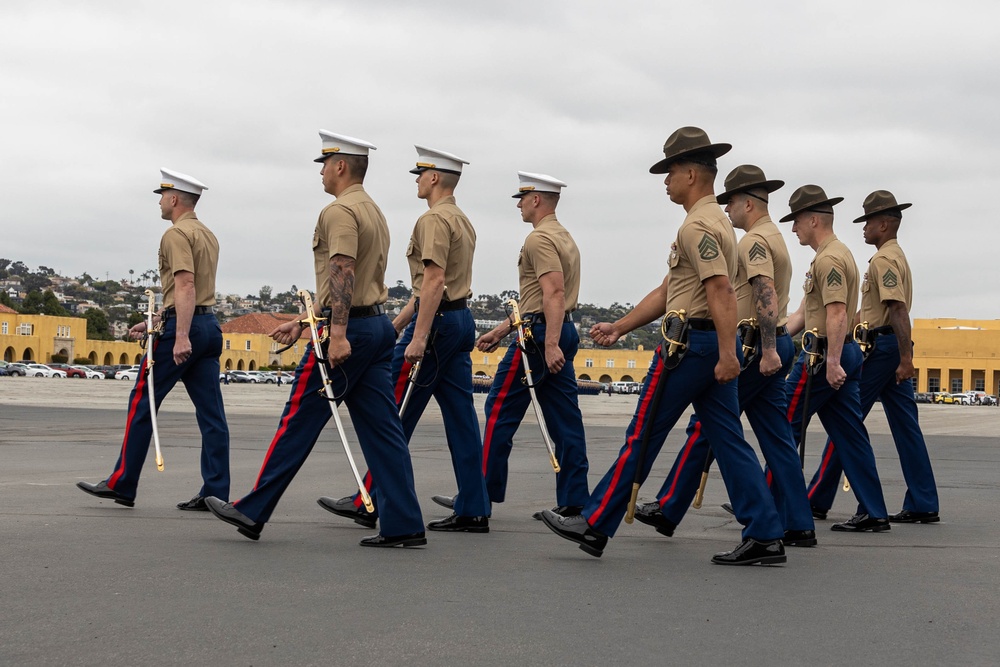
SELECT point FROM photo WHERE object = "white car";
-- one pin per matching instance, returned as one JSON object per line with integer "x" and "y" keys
{"x": 90, "y": 373}
{"x": 43, "y": 371}
{"x": 128, "y": 374}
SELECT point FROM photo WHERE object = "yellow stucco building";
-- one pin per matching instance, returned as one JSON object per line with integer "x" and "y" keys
{"x": 38, "y": 337}
{"x": 954, "y": 355}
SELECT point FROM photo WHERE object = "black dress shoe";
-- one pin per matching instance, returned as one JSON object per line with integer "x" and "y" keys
{"x": 231, "y": 515}
{"x": 909, "y": 516}
{"x": 102, "y": 490}
{"x": 651, "y": 515}
{"x": 561, "y": 510}
{"x": 411, "y": 540}
{"x": 729, "y": 508}
{"x": 445, "y": 501}
{"x": 196, "y": 504}
{"x": 753, "y": 552}
{"x": 576, "y": 529}
{"x": 860, "y": 523}
{"x": 461, "y": 524}
{"x": 819, "y": 514}
{"x": 799, "y": 538}
{"x": 345, "y": 508}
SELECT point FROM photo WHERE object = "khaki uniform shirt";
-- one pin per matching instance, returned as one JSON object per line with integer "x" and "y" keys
{"x": 887, "y": 279}
{"x": 762, "y": 252}
{"x": 189, "y": 246}
{"x": 832, "y": 278}
{"x": 705, "y": 247}
{"x": 352, "y": 226}
{"x": 443, "y": 235}
{"x": 548, "y": 248}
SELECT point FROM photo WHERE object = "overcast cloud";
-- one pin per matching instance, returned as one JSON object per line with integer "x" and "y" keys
{"x": 853, "y": 96}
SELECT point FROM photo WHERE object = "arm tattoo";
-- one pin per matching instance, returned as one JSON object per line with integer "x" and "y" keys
{"x": 341, "y": 288}
{"x": 765, "y": 304}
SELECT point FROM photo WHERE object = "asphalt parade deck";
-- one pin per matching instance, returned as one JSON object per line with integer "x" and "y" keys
{"x": 87, "y": 581}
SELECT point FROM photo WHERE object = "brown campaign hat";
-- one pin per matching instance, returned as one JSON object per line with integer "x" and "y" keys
{"x": 686, "y": 142}
{"x": 880, "y": 201}
{"x": 747, "y": 177}
{"x": 810, "y": 198}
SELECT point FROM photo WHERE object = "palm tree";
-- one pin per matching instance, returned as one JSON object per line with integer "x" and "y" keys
{"x": 131, "y": 273}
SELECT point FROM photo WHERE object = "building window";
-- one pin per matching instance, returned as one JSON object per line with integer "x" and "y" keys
{"x": 980, "y": 384}
{"x": 248, "y": 345}
{"x": 3, "y": 329}
{"x": 934, "y": 384}
{"x": 486, "y": 360}
{"x": 610, "y": 363}
{"x": 589, "y": 363}
{"x": 25, "y": 329}
{"x": 631, "y": 363}
{"x": 227, "y": 344}
{"x": 956, "y": 385}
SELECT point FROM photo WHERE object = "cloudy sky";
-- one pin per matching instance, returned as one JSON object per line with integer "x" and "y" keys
{"x": 853, "y": 96}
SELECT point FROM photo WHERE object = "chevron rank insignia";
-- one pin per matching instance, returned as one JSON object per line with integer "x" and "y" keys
{"x": 889, "y": 279}
{"x": 758, "y": 253}
{"x": 708, "y": 249}
{"x": 834, "y": 279}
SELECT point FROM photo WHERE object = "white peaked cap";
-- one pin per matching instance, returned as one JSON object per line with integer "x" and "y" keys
{"x": 175, "y": 180}
{"x": 341, "y": 144}
{"x": 429, "y": 158}
{"x": 537, "y": 183}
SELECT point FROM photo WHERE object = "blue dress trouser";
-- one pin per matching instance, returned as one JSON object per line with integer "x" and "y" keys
{"x": 362, "y": 384}
{"x": 763, "y": 400}
{"x": 558, "y": 396}
{"x": 200, "y": 375}
{"x": 445, "y": 374}
{"x": 840, "y": 413}
{"x": 692, "y": 382}
{"x": 878, "y": 382}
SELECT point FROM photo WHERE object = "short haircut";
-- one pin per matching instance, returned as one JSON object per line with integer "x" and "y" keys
{"x": 357, "y": 165}
{"x": 891, "y": 213}
{"x": 705, "y": 160}
{"x": 448, "y": 180}
{"x": 187, "y": 198}
{"x": 550, "y": 198}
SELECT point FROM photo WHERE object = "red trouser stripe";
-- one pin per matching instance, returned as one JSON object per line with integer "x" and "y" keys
{"x": 797, "y": 395}
{"x": 367, "y": 481}
{"x": 640, "y": 421}
{"x": 684, "y": 457}
{"x": 404, "y": 375}
{"x": 296, "y": 403}
{"x": 515, "y": 364}
{"x": 822, "y": 470}
{"x": 140, "y": 390}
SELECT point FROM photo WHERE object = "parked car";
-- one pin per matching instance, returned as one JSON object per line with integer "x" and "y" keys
{"x": 43, "y": 371}
{"x": 257, "y": 377}
{"x": 130, "y": 373}
{"x": 70, "y": 371}
{"x": 240, "y": 376}
{"x": 923, "y": 397}
{"x": 90, "y": 373}
{"x": 17, "y": 369}
{"x": 3, "y": 371}
{"x": 990, "y": 400}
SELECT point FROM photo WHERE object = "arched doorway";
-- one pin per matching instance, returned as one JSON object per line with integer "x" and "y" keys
{"x": 239, "y": 365}
{"x": 627, "y": 378}
{"x": 123, "y": 359}
{"x": 606, "y": 378}
{"x": 64, "y": 352}
{"x": 138, "y": 359}
{"x": 93, "y": 358}
{"x": 28, "y": 355}
{"x": 108, "y": 359}
{"x": 584, "y": 376}
{"x": 252, "y": 366}
{"x": 8, "y": 354}
{"x": 229, "y": 364}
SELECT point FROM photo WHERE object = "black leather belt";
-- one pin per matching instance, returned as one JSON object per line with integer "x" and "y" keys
{"x": 880, "y": 331}
{"x": 198, "y": 310}
{"x": 781, "y": 331}
{"x": 701, "y": 324}
{"x": 540, "y": 317}
{"x": 444, "y": 306}
{"x": 359, "y": 311}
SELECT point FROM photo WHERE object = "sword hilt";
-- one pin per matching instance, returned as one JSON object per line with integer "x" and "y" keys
{"x": 630, "y": 512}
{"x": 700, "y": 495}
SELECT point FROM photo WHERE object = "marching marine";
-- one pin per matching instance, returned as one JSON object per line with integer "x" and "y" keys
{"x": 432, "y": 358}
{"x": 884, "y": 330}
{"x": 350, "y": 245}
{"x": 186, "y": 348}
{"x": 826, "y": 376}
{"x": 697, "y": 302}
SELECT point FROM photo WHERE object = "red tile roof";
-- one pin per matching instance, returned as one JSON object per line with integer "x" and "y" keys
{"x": 6, "y": 309}
{"x": 259, "y": 323}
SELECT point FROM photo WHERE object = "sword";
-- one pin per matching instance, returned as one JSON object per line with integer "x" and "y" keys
{"x": 814, "y": 360}
{"x": 749, "y": 332}
{"x": 151, "y": 335}
{"x": 700, "y": 495}
{"x": 317, "y": 342}
{"x": 411, "y": 380}
{"x": 522, "y": 336}
{"x": 674, "y": 337}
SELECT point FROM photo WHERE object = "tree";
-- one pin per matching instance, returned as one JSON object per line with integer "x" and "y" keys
{"x": 34, "y": 282}
{"x": 131, "y": 274}
{"x": 32, "y": 304}
{"x": 97, "y": 325}
{"x": 19, "y": 269}
{"x": 51, "y": 305}
{"x": 265, "y": 293}
{"x": 400, "y": 291}
{"x": 5, "y": 300}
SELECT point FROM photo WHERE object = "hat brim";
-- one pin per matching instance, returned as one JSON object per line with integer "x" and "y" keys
{"x": 769, "y": 186}
{"x": 420, "y": 170}
{"x": 663, "y": 166}
{"x": 826, "y": 202}
{"x": 897, "y": 207}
